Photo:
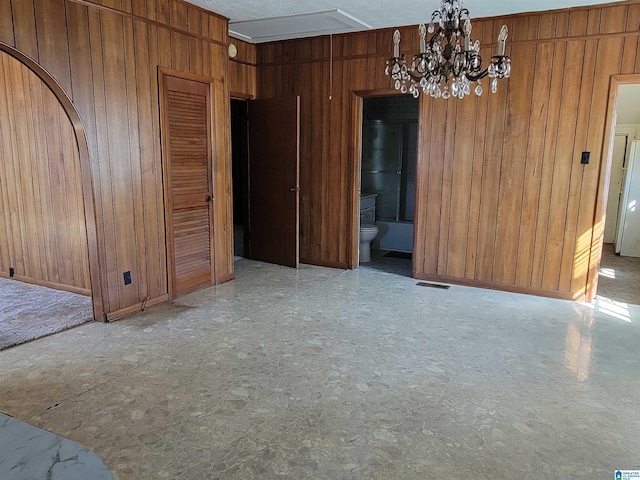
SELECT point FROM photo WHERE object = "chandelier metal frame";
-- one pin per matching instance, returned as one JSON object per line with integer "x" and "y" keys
{"x": 448, "y": 62}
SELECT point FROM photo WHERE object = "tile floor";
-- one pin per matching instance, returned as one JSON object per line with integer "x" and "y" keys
{"x": 324, "y": 374}
{"x": 619, "y": 277}
{"x": 380, "y": 263}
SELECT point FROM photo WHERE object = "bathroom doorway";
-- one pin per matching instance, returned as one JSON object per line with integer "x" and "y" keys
{"x": 388, "y": 182}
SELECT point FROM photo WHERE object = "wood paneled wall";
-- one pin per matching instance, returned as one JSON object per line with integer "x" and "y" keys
{"x": 105, "y": 54}
{"x": 502, "y": 199}
{"x": 42, "y": 223}
{"x": 242, "y": 70}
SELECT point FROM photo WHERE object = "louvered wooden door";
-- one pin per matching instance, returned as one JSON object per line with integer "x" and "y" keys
{"x": 188, "y": 183}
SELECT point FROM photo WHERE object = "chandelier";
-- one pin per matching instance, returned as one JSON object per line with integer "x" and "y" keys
{"x": 448, "y": 62}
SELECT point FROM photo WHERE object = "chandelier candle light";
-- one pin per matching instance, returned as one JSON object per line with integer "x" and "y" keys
{"x": 448, "y": 63}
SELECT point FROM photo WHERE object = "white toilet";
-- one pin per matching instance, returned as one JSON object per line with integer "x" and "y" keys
{"x": 367, "y": 233}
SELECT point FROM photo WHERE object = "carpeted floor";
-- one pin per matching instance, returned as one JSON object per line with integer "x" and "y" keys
{"x": 28, "y": 312}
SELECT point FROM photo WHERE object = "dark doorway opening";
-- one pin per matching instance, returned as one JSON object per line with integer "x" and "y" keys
{"x": 387, "y": 182}
{"x": 240, "y": 174}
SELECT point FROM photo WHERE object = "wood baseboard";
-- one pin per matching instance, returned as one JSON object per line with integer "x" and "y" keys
{"x": 323, "y": 263}
{"x": 226, "y": 278}
{"x": 123, "y": 312}
{"x": 540, "y": 292}
{"x": 44, "y": 283}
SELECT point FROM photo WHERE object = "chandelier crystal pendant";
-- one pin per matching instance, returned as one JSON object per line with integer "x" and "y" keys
{"x": 448, "y": 62}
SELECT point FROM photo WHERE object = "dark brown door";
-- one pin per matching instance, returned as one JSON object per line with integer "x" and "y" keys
{"x": 274, "y": 166}
{"x": 186, "y": 128}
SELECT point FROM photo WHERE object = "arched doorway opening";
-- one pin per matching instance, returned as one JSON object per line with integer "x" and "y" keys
{"x": 75, "y": 238}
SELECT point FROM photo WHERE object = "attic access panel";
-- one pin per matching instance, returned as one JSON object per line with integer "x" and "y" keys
{"x": 296, "y": 26}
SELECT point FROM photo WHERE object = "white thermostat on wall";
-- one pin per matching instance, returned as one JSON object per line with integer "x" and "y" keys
{"x": 233, "y": 50}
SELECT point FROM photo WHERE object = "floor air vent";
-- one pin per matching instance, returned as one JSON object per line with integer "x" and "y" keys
{"x": 433, "y": 285}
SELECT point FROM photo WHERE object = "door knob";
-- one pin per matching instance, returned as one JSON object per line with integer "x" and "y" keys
{"x": 293, "y": 189}
{"x": 208, "y": 198}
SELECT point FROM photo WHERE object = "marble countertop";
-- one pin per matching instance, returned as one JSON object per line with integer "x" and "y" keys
{"x": 30, "y": 453}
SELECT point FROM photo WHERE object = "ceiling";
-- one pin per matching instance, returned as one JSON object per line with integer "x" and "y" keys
{"x": 368, "y": 13}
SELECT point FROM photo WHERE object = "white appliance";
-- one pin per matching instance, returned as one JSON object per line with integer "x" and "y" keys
{"x": 628, "y": 239}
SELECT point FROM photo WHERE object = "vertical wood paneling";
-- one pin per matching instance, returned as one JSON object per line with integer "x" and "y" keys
{"x": 447, "y": 187}
{"x": 118, "y": 182}
{"x": 179, "y": 52}
{"x": 243, "y": 71}
{"x": 476, "y": 187}
{"x": 218, "y": 29}
{"x": 10, "y": 148}
{"x": 139, "y": 289}
{"x": 327, "y": 249}
{"x": 434, "y": 189}
{"x": 489, "y": 198}
{"x": 593, "y": 22}
{"x": 335, "y": 125}
{"x": 101, "y": 171}
{"x": 101, "y": 60}
{"x": 151, "y": 248}
{"x": 548, "y": 163}
{"x": 608, "y": 59}
{"x": 577, "y": 23}
{"x": 53, "y": 44}
{"x": 164, "y": 47}
{"x": 629, "y": 55}
{"x": 519, "y": 104}
{"x": 139, "y": 8}
{"x": 314, "y": 162}
{"x": 562, "y": 166}
{"x": 223, "y": 213}
{"x": 107, "y": 63}
{"x": 303, "y": 77}
{"x": 6, "y": 230}
{"x": 24, "y": 27}
{"x": 633, "y": 18}
{"x": 6, "y": 24}
{"x": 547, "y": 25}
{"x": 115, "y": 4}
{"x": 163, "y": 8}
{"x": 562, "y": 25}
{"x": 502, "y": 197}
{"x": 42, "y": 234}
{"x": 345, "y": 165}
{"x": 460, "y": 194}
{"x": 562, "y": 177}
{"x": 533, "y": 169}
{"x": 422, "y": 182}
{"x": 194, "y": 21}
{"x": 573, "y": 255}
{"x": 614, "y": 19}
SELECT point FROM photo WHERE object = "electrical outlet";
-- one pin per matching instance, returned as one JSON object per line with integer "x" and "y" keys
{"x": 585, "y": 158}
{"x": 127, "y": 277}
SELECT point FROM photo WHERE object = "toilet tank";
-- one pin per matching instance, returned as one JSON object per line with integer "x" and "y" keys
{"x": 368, "y": 208}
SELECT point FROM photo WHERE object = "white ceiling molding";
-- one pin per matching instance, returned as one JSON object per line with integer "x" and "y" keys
{"x": 296, "y": 26}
